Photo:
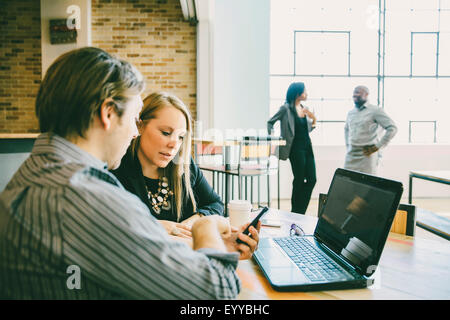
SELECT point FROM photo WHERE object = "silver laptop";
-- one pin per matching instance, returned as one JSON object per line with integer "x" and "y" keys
{"x": 347, "y": 242}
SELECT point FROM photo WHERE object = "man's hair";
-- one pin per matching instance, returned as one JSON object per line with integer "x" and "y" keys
{"x": 362, "y": 88}
{"x": 75, "y": 86}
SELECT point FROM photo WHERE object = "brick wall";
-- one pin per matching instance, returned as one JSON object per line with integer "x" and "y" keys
{"x": 151, "y": 34}
{"x": 20, "y": 64}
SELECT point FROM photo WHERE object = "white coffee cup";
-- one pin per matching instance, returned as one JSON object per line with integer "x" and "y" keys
{"x": 239, "y": 212}
{"x": 358, "y": 248}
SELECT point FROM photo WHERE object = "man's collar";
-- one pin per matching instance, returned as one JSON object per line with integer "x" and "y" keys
{"x": 362, "y": 107}
{"x": 56, "y": 146}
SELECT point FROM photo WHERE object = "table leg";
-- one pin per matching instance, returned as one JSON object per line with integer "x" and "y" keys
{"x": 251, "y": 190}
{"x": 278, "y": 177}
{"x": 227, "y": 193}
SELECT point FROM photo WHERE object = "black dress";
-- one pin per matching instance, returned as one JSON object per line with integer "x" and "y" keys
{"x": 208, "y": 202}
{"x": 303, "y": 165}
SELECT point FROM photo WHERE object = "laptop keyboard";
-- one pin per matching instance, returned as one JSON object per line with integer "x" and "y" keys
{"x": 312, "y": 262}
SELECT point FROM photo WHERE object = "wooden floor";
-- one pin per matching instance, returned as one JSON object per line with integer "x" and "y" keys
{"x": 440, "y": 206}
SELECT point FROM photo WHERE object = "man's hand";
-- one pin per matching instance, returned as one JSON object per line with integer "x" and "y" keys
{"x": 251, "y": 242}
{"x": 215, "y": 232}
{"x": 208, "y": 232}
{"x": 368, "y": 150}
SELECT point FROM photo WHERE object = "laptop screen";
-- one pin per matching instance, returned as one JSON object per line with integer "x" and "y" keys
{"x": 357, "y": 217}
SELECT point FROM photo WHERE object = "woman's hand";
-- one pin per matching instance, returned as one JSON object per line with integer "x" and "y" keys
{"x": 176, "y": 229}
{"x": 310, "y": 115}
{"x": 188, "y": 241}
{"x": 190, "y": 221}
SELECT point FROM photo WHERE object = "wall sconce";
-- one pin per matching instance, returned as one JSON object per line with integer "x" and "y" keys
{"x": 60, "y": 33}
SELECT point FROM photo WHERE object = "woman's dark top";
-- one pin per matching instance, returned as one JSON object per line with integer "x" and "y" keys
{"x": 208, "y": 202}
{"x": 301, "y": 140}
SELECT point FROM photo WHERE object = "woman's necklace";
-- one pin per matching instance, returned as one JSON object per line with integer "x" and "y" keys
{"x": 159, "y": 199}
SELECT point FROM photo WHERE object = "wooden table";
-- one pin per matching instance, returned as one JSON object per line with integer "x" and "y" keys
{"x": 409, "y": 268}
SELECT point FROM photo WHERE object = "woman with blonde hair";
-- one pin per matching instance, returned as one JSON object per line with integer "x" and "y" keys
{"x": 158, "y": 167}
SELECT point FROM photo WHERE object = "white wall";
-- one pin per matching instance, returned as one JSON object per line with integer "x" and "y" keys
{"x": 240, "y": 63}
{"x": 57, "y": 9}
{"x": 205, "y": 64}
{"x": 9, "y": 164}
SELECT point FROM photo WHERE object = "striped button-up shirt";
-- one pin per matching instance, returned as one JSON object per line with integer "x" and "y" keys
{"x": 69, "y": 230}
{"x": 363, "y": 125}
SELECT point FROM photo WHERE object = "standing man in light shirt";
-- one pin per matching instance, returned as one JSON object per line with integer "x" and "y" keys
{"x": 361, "y": 133}
{"x": 64, "y": 212}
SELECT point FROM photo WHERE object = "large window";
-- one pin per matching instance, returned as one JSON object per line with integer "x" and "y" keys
{"x": 400, "y": 50}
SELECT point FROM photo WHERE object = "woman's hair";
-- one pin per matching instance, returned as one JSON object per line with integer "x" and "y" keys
{"x": 75, "y": 86}
{"x": 295, "y": 89}
{"x": 181, "y": 163}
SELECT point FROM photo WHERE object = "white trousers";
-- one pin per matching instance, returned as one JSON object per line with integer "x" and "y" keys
{"x": 356, "y": 160}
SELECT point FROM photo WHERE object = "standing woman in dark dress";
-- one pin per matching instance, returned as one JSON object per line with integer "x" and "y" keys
{"x": 296, "y": 122}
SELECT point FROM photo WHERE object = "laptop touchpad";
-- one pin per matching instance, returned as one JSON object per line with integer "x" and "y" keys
{"x": 274, "y": 257}
{"x": 279, "y": 268}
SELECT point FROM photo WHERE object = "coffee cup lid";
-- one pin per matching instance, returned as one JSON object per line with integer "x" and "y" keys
{"x": 239, "y": 205}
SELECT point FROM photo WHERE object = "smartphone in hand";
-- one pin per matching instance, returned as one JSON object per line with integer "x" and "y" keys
{"x": 253, "y": 223}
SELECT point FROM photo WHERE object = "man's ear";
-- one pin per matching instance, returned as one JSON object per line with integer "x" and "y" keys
{"x": 107, "y": 113}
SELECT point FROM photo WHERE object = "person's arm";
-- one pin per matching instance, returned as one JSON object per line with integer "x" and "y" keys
{"x": 277, "y": 116}
{"x": 346, "y": 135}
{"x": 387, "y": 124}
{"x": 311, "y": 119}
{"x": 117, "y": 242}
{"x": 208, "y": 201}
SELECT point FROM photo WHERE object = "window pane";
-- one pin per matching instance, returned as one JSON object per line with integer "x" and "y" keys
{"x": 322, "y": 53}
{"x": 444, "y": 53}
{"x": 424, "y": 48}
{"x": 422, "y": 131}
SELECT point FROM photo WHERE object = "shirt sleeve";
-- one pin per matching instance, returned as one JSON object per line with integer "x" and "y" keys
{"x": 346, "y": 134}
{"x": 387, "y": 124}
{"x": 114, "y": 240}
{"x": 277, "y": 116}
{"x": 208, "y": 201}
